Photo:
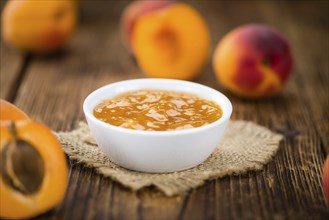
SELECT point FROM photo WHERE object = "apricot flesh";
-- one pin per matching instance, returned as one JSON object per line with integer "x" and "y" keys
{"x": 38, "y": 26}
{"x": 131, "y": 14}
{"x": 253, "y": 61}
{"x": 33, "y": 170}
{"x": 172, "y": 43}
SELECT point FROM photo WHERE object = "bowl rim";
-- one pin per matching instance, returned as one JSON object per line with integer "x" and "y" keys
{"x": 225, "y": 117}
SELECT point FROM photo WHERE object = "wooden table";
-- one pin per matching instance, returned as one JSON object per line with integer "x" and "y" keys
{"x": 51, "y": 90}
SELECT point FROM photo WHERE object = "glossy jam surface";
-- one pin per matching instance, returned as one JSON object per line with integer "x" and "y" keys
{"x": 157, "y": 110}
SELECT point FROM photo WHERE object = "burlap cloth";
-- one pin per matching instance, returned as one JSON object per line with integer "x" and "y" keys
{"x": 245, "y": 146}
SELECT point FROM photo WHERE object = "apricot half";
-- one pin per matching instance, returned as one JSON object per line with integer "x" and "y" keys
{"x": 131, "y": 14}
{"x": 171, "y": 42}
{"x": 38, "y": 26}
{"x": 34, "y": 172}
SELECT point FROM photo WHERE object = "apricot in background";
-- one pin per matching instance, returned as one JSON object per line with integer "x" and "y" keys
{"x": 253, "y": 61}
{"x": 169, "y": 39}
{"x": 132, "y": 12}
{"x": 38, "y": 26}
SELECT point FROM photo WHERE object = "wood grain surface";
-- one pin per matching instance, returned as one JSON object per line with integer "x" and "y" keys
{"x": 52, "y": 89}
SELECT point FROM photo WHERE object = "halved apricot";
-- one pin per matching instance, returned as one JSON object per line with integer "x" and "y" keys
{"x": 34, "y": 171}
{"x": 171, "y": 42}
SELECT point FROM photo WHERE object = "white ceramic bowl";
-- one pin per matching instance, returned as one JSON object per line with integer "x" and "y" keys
{"x": 157, "y": 151}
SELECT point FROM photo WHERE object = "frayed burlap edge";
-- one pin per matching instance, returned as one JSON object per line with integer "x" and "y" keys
{"x": 245, "y": 146}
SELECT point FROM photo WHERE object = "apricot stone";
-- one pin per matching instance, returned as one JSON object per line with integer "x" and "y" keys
{"x": 38, "y": 26}
{"x": 253, "y": 61}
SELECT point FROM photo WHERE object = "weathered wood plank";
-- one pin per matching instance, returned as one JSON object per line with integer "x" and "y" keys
{"x": 12, "y": 65}
{"x": 310, "y": 38}
{"x": 154, "y": 205}
{"x": 12, "y": 68}
{"x": 125, "y": 204}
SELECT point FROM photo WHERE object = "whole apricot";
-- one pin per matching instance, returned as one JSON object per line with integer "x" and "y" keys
{"x": 38, "y": 26}
{"x": 253, "y": 61}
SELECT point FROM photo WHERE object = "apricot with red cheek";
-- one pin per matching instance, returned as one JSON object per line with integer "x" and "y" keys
{"x": 253, "y": 61}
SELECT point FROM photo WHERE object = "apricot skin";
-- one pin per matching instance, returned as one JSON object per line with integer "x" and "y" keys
{"x": 253, "y": 61}
{"x": 38, "y": 26}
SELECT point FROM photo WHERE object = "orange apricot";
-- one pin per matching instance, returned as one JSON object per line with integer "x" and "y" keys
{"x": 9, "y": 112}
{"x": 33, "y": 170}
{"x": 171, "y": 42}
{"x": 132, "y": 12}
{"x": 38, "y": 26}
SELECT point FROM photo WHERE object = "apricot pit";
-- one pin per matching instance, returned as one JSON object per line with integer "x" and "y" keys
{"x": 22, "y": 167}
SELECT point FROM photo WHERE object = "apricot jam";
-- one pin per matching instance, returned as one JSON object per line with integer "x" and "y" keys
{"x": 157, "y": 110}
